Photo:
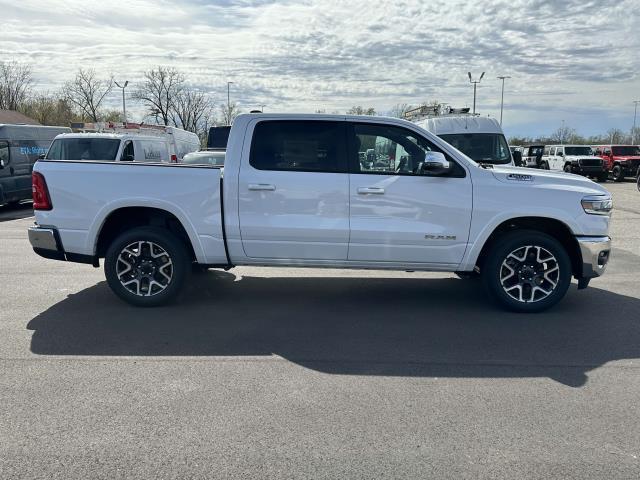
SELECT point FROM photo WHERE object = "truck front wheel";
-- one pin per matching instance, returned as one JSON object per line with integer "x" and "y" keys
{"x": 146, "y": 266}
{"x": 617, "y": 173}
{"x": 527, "y": 271}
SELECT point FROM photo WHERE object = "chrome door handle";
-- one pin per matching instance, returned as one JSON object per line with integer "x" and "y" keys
{"x": 370, "y": 191}
{"x": 262, "y": 186}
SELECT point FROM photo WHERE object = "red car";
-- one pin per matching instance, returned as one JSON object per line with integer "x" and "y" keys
{"x": 623, "y": 160}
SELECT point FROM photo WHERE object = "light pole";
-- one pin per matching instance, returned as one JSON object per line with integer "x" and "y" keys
{"x": 635, "y": 113}
{"x": 228, "y": 103}
{"x": 475, "y": 84}
{"x": 262, "y": 108}
{"x": 502, "y": 100}
{"x": 124, "y": 105}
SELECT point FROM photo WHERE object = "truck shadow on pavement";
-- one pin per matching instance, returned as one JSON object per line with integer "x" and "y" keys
{"x": 356, "y": 326}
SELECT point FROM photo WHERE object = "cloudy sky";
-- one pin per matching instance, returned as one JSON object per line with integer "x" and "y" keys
{"x": 577, "y": 61}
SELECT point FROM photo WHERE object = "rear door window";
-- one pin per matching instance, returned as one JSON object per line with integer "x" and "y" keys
{"x": 303, "y": 146}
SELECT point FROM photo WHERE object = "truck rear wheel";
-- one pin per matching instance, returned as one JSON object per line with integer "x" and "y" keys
{"x": 146, "y": 266}
{"x": 617, "y": 173}
{"x": 527, "y": 271}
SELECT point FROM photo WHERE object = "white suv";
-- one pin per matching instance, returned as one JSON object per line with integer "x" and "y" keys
{"x": 579, "y": 159}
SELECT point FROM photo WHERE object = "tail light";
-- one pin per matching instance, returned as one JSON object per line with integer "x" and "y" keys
{"x": 174, "y": 159}
{"x": 41, "y": 199}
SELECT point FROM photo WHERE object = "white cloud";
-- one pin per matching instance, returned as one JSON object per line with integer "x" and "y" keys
{"x": 568, "y": 59}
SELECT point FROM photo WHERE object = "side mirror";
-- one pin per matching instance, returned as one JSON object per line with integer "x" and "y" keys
{"x": 517, "y": 158}
{"x": 127, "y": 158}
{"x": 41, "y": 156}
{"x": 435, "y": 164}
{"x": 560, "y": 154}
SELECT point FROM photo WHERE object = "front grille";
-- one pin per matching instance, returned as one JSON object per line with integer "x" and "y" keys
{"x": 590, "y": 162}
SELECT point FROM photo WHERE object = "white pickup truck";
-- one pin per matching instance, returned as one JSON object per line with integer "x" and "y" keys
{"x": 294, "y": 191}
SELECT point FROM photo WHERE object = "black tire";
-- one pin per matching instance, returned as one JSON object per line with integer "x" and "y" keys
{"x": 602, "y": 177}
{"x": 638, "y": 181}
{"x": 567, "y": 168}
{"x": 617, "y": 173}
{"x": 494, "y": 271}
{"x": 544, "y": 166}
{"x": 158, "y": 239}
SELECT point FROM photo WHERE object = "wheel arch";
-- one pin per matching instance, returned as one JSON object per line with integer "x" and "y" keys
{"x": 551, "y": 226}
{"x": 125, "y": 218}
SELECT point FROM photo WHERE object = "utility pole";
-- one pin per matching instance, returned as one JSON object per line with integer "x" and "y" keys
{"x": 262, "y": 108}
{"x": 229, "y": 103}
{"x": 502, "y": 100}
{"x": 475, "y": 84}
{"x": 635, "y": 113}
{"x": 124, "y": 106}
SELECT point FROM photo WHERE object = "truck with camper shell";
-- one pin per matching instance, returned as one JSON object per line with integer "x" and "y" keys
{"x": 20, "y": 147}
{"x": 295, "y": 191}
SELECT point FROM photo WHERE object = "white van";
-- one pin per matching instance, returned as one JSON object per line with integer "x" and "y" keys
{"x": 479, "y": 138}
{"x": 109, "y": 147}
{"x": 178, "y": 142}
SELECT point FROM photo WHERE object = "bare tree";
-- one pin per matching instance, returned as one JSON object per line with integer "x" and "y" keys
{"x": 191, "y": 110}
{"x": 15, "y": 84}
{"x": 562, "y": 134}
{"x": 615, "y": 135}
{"x": 358, "y": 110}
{"x": 399, "y": 109}
{"x": 228, "y": 113}
{"x": 159, "y": 91}
{"x": 87, "y": 92}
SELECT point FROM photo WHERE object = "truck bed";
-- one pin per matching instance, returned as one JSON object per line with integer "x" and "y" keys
{"x": 84, "y": 193}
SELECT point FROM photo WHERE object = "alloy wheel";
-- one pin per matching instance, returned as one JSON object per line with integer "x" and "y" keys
{"x": 144, "y": 268}
{"x": 529, "y": 274}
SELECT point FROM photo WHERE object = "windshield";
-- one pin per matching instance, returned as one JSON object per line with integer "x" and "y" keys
{"x": 209, "y": 158}
{"x": 481, "y": 147}
{"x": 626, "y": 151}
{"x": 578, "y": 151}
{"x": 84, "y": 149}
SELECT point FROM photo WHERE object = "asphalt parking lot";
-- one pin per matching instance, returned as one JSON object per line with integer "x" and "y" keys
{"x": 285, "y": 373}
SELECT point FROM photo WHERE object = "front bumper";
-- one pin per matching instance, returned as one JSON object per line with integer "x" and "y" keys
{"x": 595, "y": 256}
{"x": 46, "y": 243}
{"x": 588, "y": 169}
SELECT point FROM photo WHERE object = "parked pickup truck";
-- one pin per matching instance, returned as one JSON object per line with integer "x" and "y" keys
{"x": 295, "y": 192}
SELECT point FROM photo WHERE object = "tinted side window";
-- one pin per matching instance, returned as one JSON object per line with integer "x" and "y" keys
{"x": 390, "y": 150}
{"x": 305, "y": 146}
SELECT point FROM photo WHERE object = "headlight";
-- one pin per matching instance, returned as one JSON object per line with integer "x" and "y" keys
{"x": 597, "y": 205}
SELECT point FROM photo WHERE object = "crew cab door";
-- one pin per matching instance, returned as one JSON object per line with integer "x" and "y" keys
{"x": 294, "y": 191}
{"x": 398, "y": 214}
